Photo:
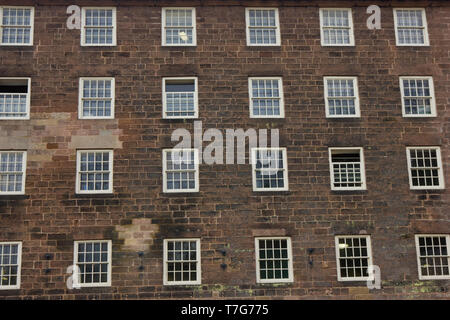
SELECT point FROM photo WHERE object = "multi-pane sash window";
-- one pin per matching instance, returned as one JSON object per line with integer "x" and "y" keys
{"x": 180, "y": 98}
{"x": 354, "y": 256}
{"x": 336, "y": 27}
{"x": 341, "y": 97}
{"x": 263, "y": 27}
{"x": 180, "y": 170}
{"x": 273, "y": 260}
{"x": 93, "y": 261}
{"x": 96, "y": 98}
{"x": 433, "y": 256}
{"x": 98, "y": 27}
{"x": 178, "y": 27}
{"x": 347, "y": 169}
{"x": 15, "y": 98}
{"x": 266, "y": 98}
{"x": 417, "y": 97}
{"x": 182, "y": 264}
{"x": 10, "y": 263}
{"x": 425, "y": 168}
{"x": 16, "y": 25}
{"x": 269, "y": 169}
{"x": 12, "y": 172}
{"x": 94, "y": 171}
{"x": 411, "y": 27}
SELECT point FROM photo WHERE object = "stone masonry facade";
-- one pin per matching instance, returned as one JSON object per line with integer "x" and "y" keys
{"x": 226, "y": 214}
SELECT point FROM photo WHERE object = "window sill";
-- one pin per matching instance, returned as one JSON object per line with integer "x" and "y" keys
{"x": 190, "y": 119}
{"x": 94, "y": 195}
{"x": 275, "y": 284}
{"x": 181, "y": 194}
{"x": 426, "y": 191}
{"x": 346, "y": 192}
{"x": 14, "y": 197}
{"x": 270, "y": 192}
{"x": 259, "y": 47}
{"x": 348, "y": 118}
{"x": 189, "y": 47}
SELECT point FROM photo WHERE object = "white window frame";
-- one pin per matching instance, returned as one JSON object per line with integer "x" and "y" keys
{"x": 24, "y": 166}
{"x": 31, "y": 28}
{"x": 277, "y": 28}
{"x": 250, "y": 95}
{"x": 163, "y": 27}
{"x": 425, "y": 28}
{"x": 75, "y": 263}
{"x": 432, "y": 95}
{"x": 81, "y": 97}
{"x": 285, "y": 171}
{"x": 83, "y": 25}
{"x": 196, "y": 175}
{"x": 362, "y": 165}
{"x": 166, "y": 282}
{"x": 440, "y": 170}
{"x": 422, "y": 277}
{"x": 19, "y": 265}
{"x": 111, "y": 175}
{"x": 27, "y": 117}
{"x": 351, "y": 28}
{"x": 290, "y": 263}
{"x": 355, "y": 89}
{"x": 369, "y": 254}
{"x": 164, "y": 99}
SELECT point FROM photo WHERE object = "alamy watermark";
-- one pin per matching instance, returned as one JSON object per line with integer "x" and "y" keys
{"x": 373, "y": 22}
{"x": 374, "y": 280}
{"x": 74, "y": 21}
{"x": 73, "y": 282}
{"x": 222, "y": 149}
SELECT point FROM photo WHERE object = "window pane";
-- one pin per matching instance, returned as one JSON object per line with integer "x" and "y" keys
{"x": 273, "y": 259}
{"x": 184, "y": 266}
{"x": 353, "y": 257}
{"x": 92, "y": 260}
{"x": 262, "y": 26}
{"x": 94, "y": 171}
{"x": 99, "y": 26}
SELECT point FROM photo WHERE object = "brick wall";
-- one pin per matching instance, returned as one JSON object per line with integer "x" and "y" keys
{"x": 226, "y": 213}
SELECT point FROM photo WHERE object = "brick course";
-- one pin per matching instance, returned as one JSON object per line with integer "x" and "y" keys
{"x": 226, "y": 213}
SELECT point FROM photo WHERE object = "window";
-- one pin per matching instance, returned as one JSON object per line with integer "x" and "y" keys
{"x": 347, "y": 169}
{"x": 410, "y": 27}
{"x": 269, "y": 169}
{"x": 266, "y": 97}
{"x": 178, "y": 27}
{"x": 10, "y": 264}
{"x": 96, "y": 98}
{"x": 336, "y": 27}
{"x": 180, "y": 170}
{"x": 273, "y": 260}
{"x": 341, "y": 97}
{"x": 94, "y": 171}
{"x": 12, "y": 172}
{"x": 432, "y": 256}
{"x": 425, "y": 168}
{"x": 417, "y": 97}
{"x": 98, "y": 27}
{"x": 263, "y": 27}
{"x": 15, "y": 98}
{"x": 93, "y": 259}
{"x": 182, "y": 261}
{"x": 16, "y": 26}
{"x": 180, "y": 98}
{"x": 354, "y": 256}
